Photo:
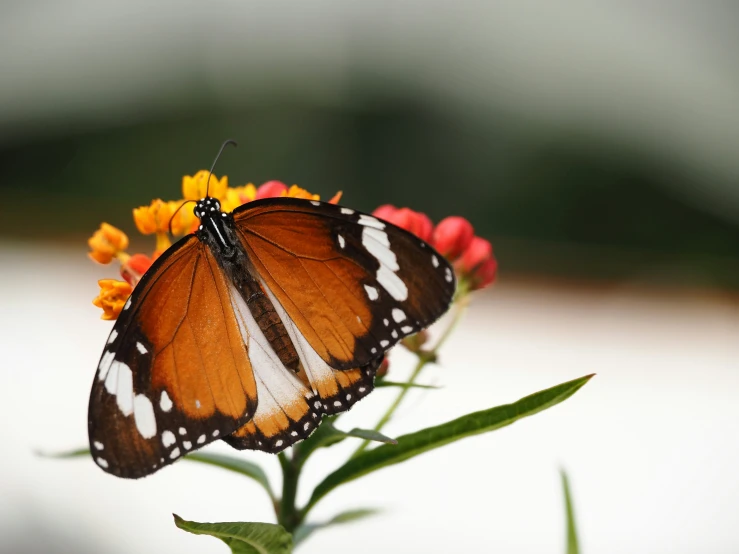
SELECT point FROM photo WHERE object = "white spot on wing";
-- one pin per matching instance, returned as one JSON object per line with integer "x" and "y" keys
{"x": 384, "y": 343}
{"x": 369, "y": 221}
{"x": 174, "y": 453}
{"x": 342, "y": 243}
{"x": 182, "y": 431}
{"x": 347, "y": 211}
{"x": 448, "y": 275}
{"x": 315, "y": 203}
{"x": 406, "y": 329}
{"x": 113, "y": 335}
{"x": 278, "y": 443}
{"x": 124, "y": 388}
{"x": 105, "y": 363}
{"x": 197, "y": 404}
{"x": 187, "y": 445}
{"x": 398, "y": 315}
{"x": 98, "y": 445}
{"x": 102, "y": 462}
{"x": 141, "y": 348}
{"x": 394, "y": 334}
{"x": 168, "y": 438}
{"x": 371, "y": 292}
{"x": 143, "y": 415}
{"x": 435, "y": 261}
{"x": 201, "y": 439}
{"x": 377, "y": 243}
{"x": 165, "y": 403}
{"x": 392, "y": 283}
{"x": 127, "y": 304}
{"x": 386, "y": 322}
{"x": 216, "y": 433}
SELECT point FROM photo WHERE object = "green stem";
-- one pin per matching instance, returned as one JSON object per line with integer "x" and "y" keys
{"x": 424, "y": 357}
{"x": 287, "y": 513}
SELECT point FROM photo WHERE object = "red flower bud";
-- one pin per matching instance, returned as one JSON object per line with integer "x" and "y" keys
{"x": 271, "y": 189}
{"x": 416, "y": 222}
{"x": 135, "y": 267}
{"x": 477, "y": 263}
{"x": 385, "y": 211}
{"x": 382, "y": 370}
{"x": 452, "y": 236}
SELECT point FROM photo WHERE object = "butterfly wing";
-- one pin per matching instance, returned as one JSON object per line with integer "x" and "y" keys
{"x": 175, "y": 373}
{"x": 351, "y": 285}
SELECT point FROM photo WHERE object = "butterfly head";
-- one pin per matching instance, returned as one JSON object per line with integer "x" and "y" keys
{"x": 207, "y": 206}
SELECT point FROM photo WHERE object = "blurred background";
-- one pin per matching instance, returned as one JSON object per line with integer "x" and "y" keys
{"x": 596, "y": 146}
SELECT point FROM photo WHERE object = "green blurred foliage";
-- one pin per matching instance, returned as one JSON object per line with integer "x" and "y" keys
{"x": 552, "y": 202}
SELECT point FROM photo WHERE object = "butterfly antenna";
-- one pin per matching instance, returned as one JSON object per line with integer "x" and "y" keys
{"x": 226, "y": 143}
{"x": 175, "y": 213}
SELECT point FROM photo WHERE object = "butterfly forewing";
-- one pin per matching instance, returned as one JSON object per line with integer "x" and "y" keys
{"x": 175, "y": 374}
{"x": 256, "y": 327}
{"x": 352, "y": 285}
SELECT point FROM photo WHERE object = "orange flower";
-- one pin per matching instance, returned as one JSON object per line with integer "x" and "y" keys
{"x": 113, "y": 296}
{"x": 296, "y": 192}
{"x": 107, "y": 243}
{"x": 195, "y": 187}
{"x": 183, "y": 220}
{"x": 237, "y": 196}
{"x": 153, "y": 218}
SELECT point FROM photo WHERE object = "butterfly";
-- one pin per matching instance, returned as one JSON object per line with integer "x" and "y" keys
{"x": 254, "y": 327}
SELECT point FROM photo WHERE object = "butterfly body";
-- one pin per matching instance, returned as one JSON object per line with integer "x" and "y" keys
{"x": 254, "y": 327}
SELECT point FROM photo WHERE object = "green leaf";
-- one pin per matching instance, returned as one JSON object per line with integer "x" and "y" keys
{"x": 370, "y": 435}
{"x": 305, "y": 530}
{"x": 384, "y": 383}
{"x": 572, "y": 542}
{"x": 327, "y": 435}
{"x": 78, "y": 453}
{"x": 433, "y": 437}
{"x": 237, "y": 465}
{"x": 226, "y": 462}
{"x": 243, "y": 538}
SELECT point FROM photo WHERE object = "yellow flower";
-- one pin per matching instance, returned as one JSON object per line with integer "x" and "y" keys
{"x": 296, "y": 192}
{"x": 237, "y": 196}
{"x": 195, "y": 187}
{"x": 113, "y": 295}
{"x": 107, "y": 243}
{"x": 184, "y": 220}
{"x": 153, "y": 218}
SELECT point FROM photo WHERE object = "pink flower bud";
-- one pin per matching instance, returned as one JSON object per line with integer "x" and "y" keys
{"x": 135, "y": 267}
{"x": 385, "y": 211}
{"x": 416, "y": 222}
{"x": 477, "y": 263}
{"x": 452, "y": 236}
{"x": 271, "y": 189}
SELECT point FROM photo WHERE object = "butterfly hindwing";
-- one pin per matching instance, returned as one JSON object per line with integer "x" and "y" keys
{"x": 353, "y": 285}
{"x": 175, "y": 373}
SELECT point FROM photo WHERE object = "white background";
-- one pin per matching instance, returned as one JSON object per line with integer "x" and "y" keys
{"x": 650, "y": 443}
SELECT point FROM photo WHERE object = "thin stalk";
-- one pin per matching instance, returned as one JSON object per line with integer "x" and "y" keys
{"x": 287, "y": 513}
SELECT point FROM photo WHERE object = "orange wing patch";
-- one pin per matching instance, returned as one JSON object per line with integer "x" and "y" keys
{"x": 175, "y": 373}
{"x": 352, "y": 284}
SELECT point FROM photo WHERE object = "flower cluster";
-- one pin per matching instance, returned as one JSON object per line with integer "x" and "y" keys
{"x": 454, "y": 238}
{"x": 164, "y": 218}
